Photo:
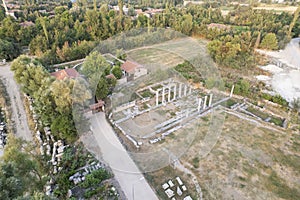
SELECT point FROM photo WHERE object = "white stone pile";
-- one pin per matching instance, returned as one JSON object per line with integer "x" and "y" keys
{"x": 57, "y": 153}
{"x": 79, "y": 176}
{"x": 3, "y": 134}
{"x": 175, "y": 188}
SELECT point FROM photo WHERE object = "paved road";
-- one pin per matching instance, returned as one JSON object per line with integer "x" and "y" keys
{"x": 125, "y": 170}
{"x": 18, "y": 116}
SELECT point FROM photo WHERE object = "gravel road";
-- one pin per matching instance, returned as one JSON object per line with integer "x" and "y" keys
{"x": 19, "y": 118}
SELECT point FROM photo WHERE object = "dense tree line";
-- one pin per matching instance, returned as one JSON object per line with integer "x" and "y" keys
{"x": 53, "y": 99}
{"x": 73, "y": 33}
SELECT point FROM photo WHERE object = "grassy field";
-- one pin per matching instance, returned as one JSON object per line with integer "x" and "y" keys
{"x": 247, "y": 162}
{"x": 168, "y": 54}
{"x": 249, "y": 159}
{"x": 157, "y": 178}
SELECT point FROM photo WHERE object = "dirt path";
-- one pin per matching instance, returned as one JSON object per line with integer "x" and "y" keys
{"x": 18, "y": 117}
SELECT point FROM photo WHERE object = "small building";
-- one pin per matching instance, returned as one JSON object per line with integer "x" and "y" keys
{"x": 65, "y": 73}
{"x": 138, "y": 11}
{"x": 132, "y": 70}
{"x": 98, "y": 107}
{"x": 117, "y": 9}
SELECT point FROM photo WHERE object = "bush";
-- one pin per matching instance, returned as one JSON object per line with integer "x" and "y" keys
{"x": 196, "y": 162}
{"x": 275, "y": 99}
{"x": 95, "y": 178}
{"x": 188, "y": 71}
{"x": 242, "y": 87}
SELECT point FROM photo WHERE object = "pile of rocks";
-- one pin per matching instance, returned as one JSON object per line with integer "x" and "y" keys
{"x": 79, "y": 176}
{"x": 3, "y": 134}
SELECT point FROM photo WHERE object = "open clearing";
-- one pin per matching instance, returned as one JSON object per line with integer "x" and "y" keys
{"x": 168, "y": 54}
{"x": 248, "y": 162}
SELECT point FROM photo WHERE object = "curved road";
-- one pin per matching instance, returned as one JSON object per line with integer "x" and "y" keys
{"x": 18, "y": 116}
{"x": 125, "y": 170}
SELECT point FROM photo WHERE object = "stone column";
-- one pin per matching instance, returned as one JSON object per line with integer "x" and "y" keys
{"x": 157, "y": 97}
{"x": 231, "y": 93}
{"x": 174, "y": 97}
{"x": 163, "y": 95}
{"x": 205, "y": 100}
{"x": 180, "y": 89}
{"x": 199, "y": 104}
{"x": 210, "y": 100}
{"x": 185, "y": 90}
{"x": 169, "y": 95}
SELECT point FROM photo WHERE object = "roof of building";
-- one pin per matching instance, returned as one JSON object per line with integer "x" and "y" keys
{"x": 138, "y": 11}
{"x": 97, "y": 105}
{"x": 129, "y": 66}
{"x": 154, "y": 11}
{"x": 65, "y": 73}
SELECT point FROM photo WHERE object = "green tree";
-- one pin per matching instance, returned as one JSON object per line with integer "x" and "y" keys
{"x": 63, "y": 127}
{"x": 120, "y": 4}
{"x": 102, "y": 89}
{"x": 38, "y": 45}
{"x": 8, "y": 50}
{"x": 29, "y": 74}
{"x": 92, "y": 22}
{"x": 93, "y": 68}
{"x": 187, "y": 24}
{"x": 9, "y": 29}
{"x": 117, "y": 72}
{"x": 269, "y": 42}
{"x": 62, "y": 91}
{"x": 2, "y": 13}
{"x": 242, "y": 87}
{"x": 19, "y": 170}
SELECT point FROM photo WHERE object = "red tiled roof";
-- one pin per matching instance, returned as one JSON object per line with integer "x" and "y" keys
{"x": 129, "y": 66}
{"x": 65, "y": 73}
{"x": 97, "y": 105}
